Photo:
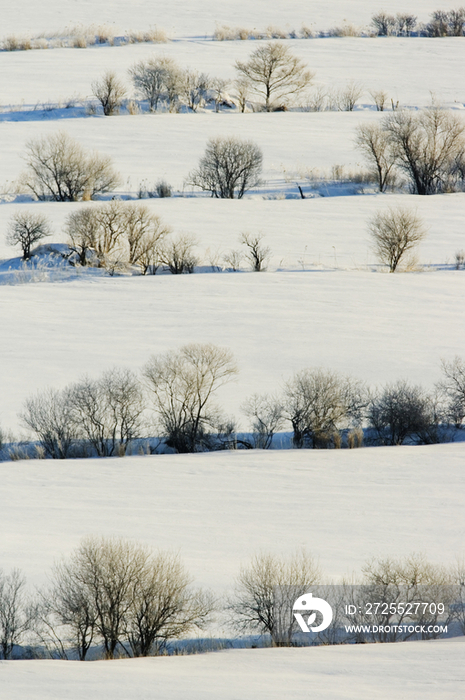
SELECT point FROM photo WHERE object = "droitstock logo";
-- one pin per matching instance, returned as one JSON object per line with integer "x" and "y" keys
{"x": 305, "y": 604}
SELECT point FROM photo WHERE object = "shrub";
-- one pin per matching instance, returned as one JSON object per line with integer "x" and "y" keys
{"x": 154, "y": 78}
{"x": 266, "y": 413}
{"x": 48, "y": 415}
{"x": 178, "y": 254}
{"x": 58, "y": 168}
{"x": 258, "y": 255}
{"x": 229, "y": 168}
{"x": 110, "y": 92}
{"x": 14, "y": 616}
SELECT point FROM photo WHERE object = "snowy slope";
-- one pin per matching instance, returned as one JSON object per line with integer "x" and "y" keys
{"x": 218, "y": 510}
{"x": 426, "y": 670}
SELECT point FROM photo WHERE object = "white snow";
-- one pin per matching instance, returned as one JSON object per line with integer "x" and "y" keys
{"x": 324, "y": 302}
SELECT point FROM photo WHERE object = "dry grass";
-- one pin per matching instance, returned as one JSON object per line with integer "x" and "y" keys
{"x": 80, "y": 37}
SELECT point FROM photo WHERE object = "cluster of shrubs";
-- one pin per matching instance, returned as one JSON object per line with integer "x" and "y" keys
{"x": 80, "y": 37}
{"x": 115, "y": 598}
{"x": 442, "y": 23}
{"x": 110, "y": 415}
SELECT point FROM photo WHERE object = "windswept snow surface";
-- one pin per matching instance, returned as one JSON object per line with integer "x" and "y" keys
{"x": 324, "y": 302}
{"x": 220, "y": 509}
{"x": 426, "y": 670}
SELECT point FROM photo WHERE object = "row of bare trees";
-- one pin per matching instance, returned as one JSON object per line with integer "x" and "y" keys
{"x": 425, "y": 147}
{"x": 114, "y": 597}
{"x": 273, "y": 74}
{"x": 442, "y": 23}
{"x": 107, "y": 415}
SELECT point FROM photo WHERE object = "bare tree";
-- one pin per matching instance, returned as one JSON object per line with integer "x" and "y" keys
{"x": 151, "y": 78}
{"x": 164, "y": 606}
{"x": 267, "y": 415}
{"x": 383, "y": 23}
{"x": 274, "y": 73}
{"x": 265, "y": 593}
{"x": 218, "y": 86}
{"x": 453, "y": 386}
{"x": 110, "y": 92}
{"x": 349, "y": 95}
{"x": 48, "y": 414}
{"x": 401, "y": 412}
{"x": 396, "y": 583}
{"x": 121, "y": 594}
{"x": 380, "y": 98}
{"x": 394, "y": 232}
{"x": 405, "y": 24}
{"x": 14, "y": 618}
{"x": 108, "y": 411}
{"x": 228, "y": 168}
{"x": 242, "y": 90}
{"x": 426, "y": 146}
{"x": 58, "y": 168}
{"x": 319, "y": 403}
{"x": 183, "y": 385}
{"x": 258, "y": 255}
{"x": 376, "y": 147}
{"x": 194, "y": 88}
{"x": 83, "y": 230}
{"x": 178, "y": 254}
{"x": 25, "y": 229}
{"x": 144, "y": 232}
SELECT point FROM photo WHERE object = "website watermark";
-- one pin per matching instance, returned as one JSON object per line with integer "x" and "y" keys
{"x": 350, "y": 613}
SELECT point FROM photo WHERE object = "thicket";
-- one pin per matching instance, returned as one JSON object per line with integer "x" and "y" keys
{"x": 171, "y": 406}
{"x": 113, "y": 598}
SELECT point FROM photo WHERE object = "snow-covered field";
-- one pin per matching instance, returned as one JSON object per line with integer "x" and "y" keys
{"x": 324, "y": 302}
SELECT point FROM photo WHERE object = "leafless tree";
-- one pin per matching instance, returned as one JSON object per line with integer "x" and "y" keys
{"x": 14, "y": 616}
{"x": 398, "y": 583}
{"x": 151, "y": 79}
{"x": 274, "y": 73}
{"x": 183, "y": 385}
{"x": 121, "y": 594}
{"x": 403, "y": 412}
{"x": 376, "y": 147}
{"x": 426, "y": 145}
{"x": 194, "y": 88}
{"x": 218, "y": 86}
{"x": 25, "y": 229}
{"x": 228, "y": 168}
{"x": 58, "y": 168}
{"x": 405, "y": 24}
{"x": 394, "y": 232}
{"x": 164, "y": 606}
{"x": 319, "y": 403}
{"x": 242, "y": 92}
{"x": 383, "y": 23}
{"x": 110, "y": 92}
{"x": 101, "y": 228}
{"x": 83, "y": 230}
{"x": 48, "y": 415}
{"x": 108, "y": 411}
{"x": 267, "y": 415}
{"x": 265, "y": 593}
{"x": 453, "y": 386}
{"x": 144, "y": 233}
{"x": 380, "y": 98}
{"x": 257, "y": 254}
{"x": 349, "y": 95}
{"x": 178, "y": 254}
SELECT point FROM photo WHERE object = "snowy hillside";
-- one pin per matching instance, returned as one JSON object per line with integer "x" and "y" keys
{"x": 324, "y": 301}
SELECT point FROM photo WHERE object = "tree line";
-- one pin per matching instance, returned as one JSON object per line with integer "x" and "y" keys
{"x": 109, "y": 415}
{"x": 113, "y": 598}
